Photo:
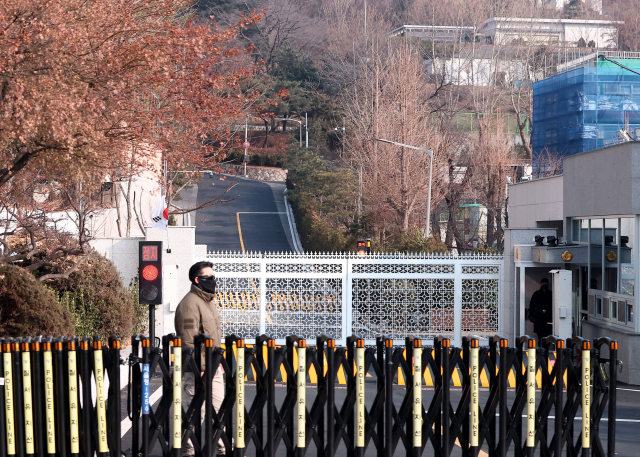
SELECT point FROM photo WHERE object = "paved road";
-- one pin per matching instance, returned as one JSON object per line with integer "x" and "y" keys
{"x": 254, "y": 221}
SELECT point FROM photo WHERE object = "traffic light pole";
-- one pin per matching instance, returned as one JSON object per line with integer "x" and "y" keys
{"x": 152, "y": 325}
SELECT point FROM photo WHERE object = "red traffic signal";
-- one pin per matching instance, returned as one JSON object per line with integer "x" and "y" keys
{"x": 362, "y": 248}
{"x": 150, "y": 267}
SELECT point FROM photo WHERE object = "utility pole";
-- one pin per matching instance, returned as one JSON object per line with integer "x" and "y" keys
{"x": 360, "y": 196}
{"x": 306, "y": 131}
{"x": 245, "y": 147}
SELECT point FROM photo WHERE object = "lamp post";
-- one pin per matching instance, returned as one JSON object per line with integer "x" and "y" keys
{"x": 430, "y": 152}
{"x": 299, "y": 122}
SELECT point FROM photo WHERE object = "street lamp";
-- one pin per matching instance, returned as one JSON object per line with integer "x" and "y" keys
{"x": 299, "y": 122}
{"x": 430, "y": 152}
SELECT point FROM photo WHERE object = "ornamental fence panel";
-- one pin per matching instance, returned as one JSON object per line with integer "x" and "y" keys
{"x": 397, "y": 295}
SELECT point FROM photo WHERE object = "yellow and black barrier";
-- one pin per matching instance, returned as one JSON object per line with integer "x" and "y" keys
{"x": 47, "y": 406}
{"x": 42, "y": 413}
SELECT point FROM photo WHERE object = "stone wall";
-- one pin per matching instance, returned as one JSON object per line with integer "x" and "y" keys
{"x": 258, "y": 173}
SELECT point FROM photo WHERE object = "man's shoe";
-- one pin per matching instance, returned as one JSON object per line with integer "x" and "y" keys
{"x": 188, "y": 452}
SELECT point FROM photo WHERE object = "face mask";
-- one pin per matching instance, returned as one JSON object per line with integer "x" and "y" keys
{"x": 545, "y": 287}
{"x": 207, "y": 283}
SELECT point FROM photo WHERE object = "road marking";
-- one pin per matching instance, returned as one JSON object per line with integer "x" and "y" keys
{"x": 628, "y": 390}
{"x": 125, "y": 425}
{"x": 240, "y": 232}
{"x": 260, "y": 212}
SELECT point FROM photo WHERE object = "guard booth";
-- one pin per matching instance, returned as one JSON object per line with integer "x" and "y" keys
{"x": 587, "y": 222}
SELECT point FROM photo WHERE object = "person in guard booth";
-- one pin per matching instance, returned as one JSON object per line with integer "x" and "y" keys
{"x": 197, "y": 313}
{"x": 541, "y": 310}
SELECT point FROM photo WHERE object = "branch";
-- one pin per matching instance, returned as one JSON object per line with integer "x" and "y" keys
{"x": 66, "y": 273}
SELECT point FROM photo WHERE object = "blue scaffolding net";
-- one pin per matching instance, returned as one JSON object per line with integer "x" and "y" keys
{"x": 582, "y": 109}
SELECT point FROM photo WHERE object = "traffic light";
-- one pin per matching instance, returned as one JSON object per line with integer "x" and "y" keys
{"x": 362, "y": 248}
{"x": 150, "y": 264}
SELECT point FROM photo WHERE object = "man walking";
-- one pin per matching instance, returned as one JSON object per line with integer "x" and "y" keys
{"x": 541, "y": 310}
{"x": 197, "y": 314}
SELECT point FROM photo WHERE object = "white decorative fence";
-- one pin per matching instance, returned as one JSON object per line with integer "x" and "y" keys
{"x": 340, "y": 295}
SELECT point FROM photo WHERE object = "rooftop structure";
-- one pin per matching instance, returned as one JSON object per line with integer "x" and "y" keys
{"x": 583, "y": 108}
{"x": 561, "y": 32}
{"x": 439, "y": 33}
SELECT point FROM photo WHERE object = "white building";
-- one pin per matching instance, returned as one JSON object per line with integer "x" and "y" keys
{"x": 560, "y": 32}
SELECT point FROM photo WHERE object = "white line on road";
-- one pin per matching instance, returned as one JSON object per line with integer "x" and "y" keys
{"x": 629, "y": 390}
{"x": 125, "y": 425}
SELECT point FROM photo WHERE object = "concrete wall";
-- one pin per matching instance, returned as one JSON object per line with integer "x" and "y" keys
{"x": 258, "y": 173}
{"x": 533, "y": 201}
{"x": 123, "y": 252}
{"x": 603, "y": 182}
{"x": 628, "y": 348}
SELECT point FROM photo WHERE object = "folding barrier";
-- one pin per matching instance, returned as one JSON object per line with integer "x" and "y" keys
{"x": 54, "y": 403}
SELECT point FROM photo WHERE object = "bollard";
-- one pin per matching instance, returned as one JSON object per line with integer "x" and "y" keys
{"x": 146, "y": 385}
{"x": 9, "y": 404}
{"x": 474, "y": 407}
{"x": 62, "y": 396}
{"x": 240, "y": 444}
{"x": 531, "y": 397}
{"x": 177, "y": 397}
{"x": 360, "y": 392}
{"x": 586, "y": 398}
{"x": 27, "y": 398}
{"x": 559, "y": 387}
{"x": 417, "y": 397}
{"x": 301, "y": 442}
{"x": 49, "y": 406}
{"x": 101, "y": 413}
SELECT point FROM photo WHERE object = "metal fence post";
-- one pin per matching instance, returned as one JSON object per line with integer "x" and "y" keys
{"x": 74, "y": 400}
{"x": 474, "y": 407}
{"x": 177, "y": 398}
{"x": 9, "y": 404}
{"x": 388, "y": 397}
{"x": 3, "y": 419}
{"x": 417, "y": 397}
{"x": 85, "y": 378}
{"x": 145, "y": 383}
{"x": 240, "y": 399}
{"x": 360, "y": 398}
{"x": 613, "y": 379}
{"x": 37, "y": 386}
{"x": 331, "y": 397}
{"x": 102, "y": 447}
{"x": 49, "y": 395}
{"x": 271, "y": 393}
{"x": 301, "y": 399}
{"x": 18, "y": 397}
{"x": 210, "y": 371}
{"x": 503, "y": 383}
{"x": 115, "y": 407}
{"x": 446, "y": 395}
{"x": 62, "y": 396}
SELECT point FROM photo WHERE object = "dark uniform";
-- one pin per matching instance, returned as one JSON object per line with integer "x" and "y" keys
{"x": 541, "y": 312}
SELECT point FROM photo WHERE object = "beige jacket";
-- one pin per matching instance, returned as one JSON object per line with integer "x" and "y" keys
{"x": 196, "y": 314}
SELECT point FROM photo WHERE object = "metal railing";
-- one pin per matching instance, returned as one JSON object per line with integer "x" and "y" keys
{"x": 47, "y": 406}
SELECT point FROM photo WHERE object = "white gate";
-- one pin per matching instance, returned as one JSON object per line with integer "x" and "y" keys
{"x": 339, "y": 295}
